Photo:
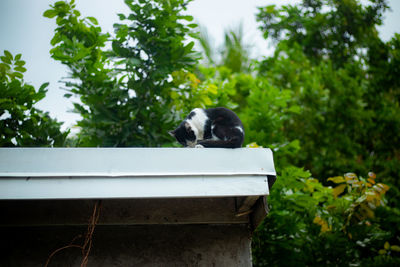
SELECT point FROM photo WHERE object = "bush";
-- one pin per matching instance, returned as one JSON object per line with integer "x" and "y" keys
{"x": 21, "y": 124}
{"x": 312, "y": 225}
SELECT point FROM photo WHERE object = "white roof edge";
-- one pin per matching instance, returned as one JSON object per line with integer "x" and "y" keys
{"x": 26, "y": 175}
{"x": 119, "y": 162}
{"x": 135, "y": 187}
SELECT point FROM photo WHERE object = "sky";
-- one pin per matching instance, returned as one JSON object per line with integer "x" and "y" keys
{"x": 24, "y": 30}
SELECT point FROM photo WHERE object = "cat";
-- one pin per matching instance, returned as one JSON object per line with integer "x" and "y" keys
{"x": 213, "y": 127}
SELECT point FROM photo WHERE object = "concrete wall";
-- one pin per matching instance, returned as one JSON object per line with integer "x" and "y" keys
{"x": 138, "y": 245}
{"x": 130, "y": 232}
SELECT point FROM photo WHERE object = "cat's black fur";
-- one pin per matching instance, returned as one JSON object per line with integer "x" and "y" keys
{"x": 214, "y": 127}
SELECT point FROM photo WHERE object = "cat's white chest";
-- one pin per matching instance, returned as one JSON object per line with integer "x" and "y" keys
{"x": 197, "y": 122}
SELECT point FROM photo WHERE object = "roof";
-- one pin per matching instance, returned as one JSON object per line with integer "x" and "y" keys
{"x": 114, "y": 173}
{"x": 58, "y": 186}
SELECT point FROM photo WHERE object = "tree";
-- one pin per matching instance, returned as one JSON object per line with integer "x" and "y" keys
{"x": 21, "y": 124}
{"x": 344, "y": 81}
{"x": 330, "y": 55}
{"x": 234, "y": 53}
{"x": 336, "y": 29}
{"x": 383, "y": 98}
{"x": 126, "y": 93}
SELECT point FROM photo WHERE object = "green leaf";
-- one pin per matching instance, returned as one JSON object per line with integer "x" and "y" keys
{"x": 17, "y": 57}
{"x": 395, "y": 248}
{"x": 189, "y": 46}
{"x": 20, "y": 63}
{"x": 270, "y": 8}
{"x": 5, "y": 66}
{"x": 56, "y": 39}
{"x": 134, "y": 61}
{"x": 8, "y": 54}
{"x": 187, "y": 18}
{"x": 18, "y": 75}
{"x": 387, "y": 245}
{"x": 50, "y": 13}
{"x": 93, "y": 20}
{"x": 43, "y": 86}
{"x": 20, "y": 69}
{"x": 121, "y": 16}
{"x": 119, "y": 49}
{"x": 5, "y": 60}
{"x": 192, "y": 25}
{"x": 81, "y": 109}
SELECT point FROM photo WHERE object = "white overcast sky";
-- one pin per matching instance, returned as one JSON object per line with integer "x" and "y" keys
{"x": 24, "y": 30}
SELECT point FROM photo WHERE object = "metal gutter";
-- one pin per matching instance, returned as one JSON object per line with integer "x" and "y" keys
{"x": 132, "y": 187}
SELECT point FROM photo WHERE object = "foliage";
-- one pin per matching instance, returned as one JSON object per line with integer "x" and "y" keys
{"x": 332, "y": 121}
{"x": 126, "y": 93}
{"x": 234, "y": 54}
{"x": 345, "y": 81}
{"x": 311, "y": 224}
{"x": 323, "y": 109}
{"x": 344, "y": 78}
{"x": 383, "y": 98}
{"x": 326, "y": 102}
{"x": 337, "y": 29}
{"x": 264, "y": 116}
{"x": 21, "y": 124}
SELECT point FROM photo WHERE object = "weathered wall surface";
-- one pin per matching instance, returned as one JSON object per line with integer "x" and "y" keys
{"x": 140, "y": 245}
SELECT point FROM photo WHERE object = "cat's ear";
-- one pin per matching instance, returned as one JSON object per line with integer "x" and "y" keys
{"x": 172, "y": 133}
{"x": 188, "y": 127}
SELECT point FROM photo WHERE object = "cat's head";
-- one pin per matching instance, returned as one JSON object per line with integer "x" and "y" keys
{"x": 184, "y": 134}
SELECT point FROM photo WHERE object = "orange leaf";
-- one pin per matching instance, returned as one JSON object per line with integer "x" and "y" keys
{"x": 350, "y": 176}
{"x": 337, "y": 179}
{"x": 372, "y": 175}
{"x": 338, "y": 190}
{"x": 383, "y": 187}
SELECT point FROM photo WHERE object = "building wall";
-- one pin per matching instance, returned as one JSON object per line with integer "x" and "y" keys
{"x": 139, "y": 245}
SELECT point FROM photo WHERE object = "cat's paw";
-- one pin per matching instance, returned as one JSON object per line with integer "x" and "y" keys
{"x": 199, "y": 146}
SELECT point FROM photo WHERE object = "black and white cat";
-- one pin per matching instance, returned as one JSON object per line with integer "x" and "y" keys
{"x": 213, "y": 127}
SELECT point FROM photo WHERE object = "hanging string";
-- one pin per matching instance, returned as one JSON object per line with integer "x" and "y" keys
{"x": 87, "y": 243}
